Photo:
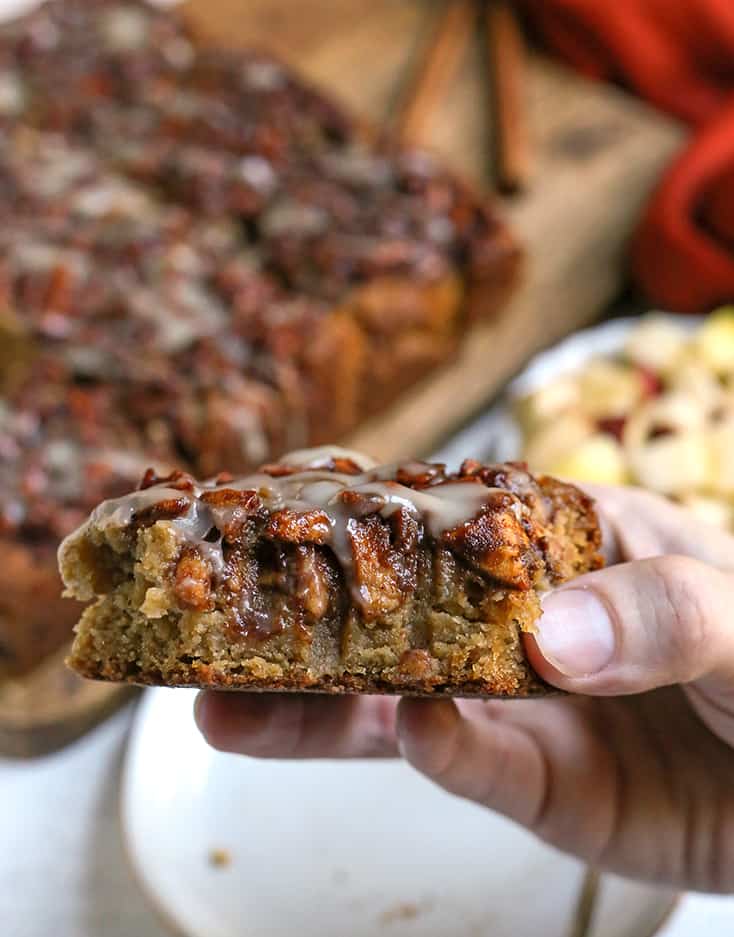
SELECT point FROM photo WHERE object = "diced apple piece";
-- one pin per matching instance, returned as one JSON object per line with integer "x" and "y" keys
{"x": 598, "y": 459}
{"x": 656, "y": 343}
{"x": 610, "y": 389}
{"x": 694, "y": 379}
{"x": 714, "y": 343}
{"x": 670, "y": 413}
{"x": 711, "y": 510}
{"x": 721, "y": 443}
{"x": 547, "y": 402}
{"x": 672, "y": 464}
{"x": 551, "y": 441}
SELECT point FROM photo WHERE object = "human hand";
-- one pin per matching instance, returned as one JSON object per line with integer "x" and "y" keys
{"x": 634, "y": 771}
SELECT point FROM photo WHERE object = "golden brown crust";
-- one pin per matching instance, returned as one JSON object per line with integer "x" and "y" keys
{"x": 402, "y": 579}
{"x": 205, "y": 677}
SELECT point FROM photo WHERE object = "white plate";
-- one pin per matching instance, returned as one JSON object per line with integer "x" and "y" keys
{"x": 337, "y": 849}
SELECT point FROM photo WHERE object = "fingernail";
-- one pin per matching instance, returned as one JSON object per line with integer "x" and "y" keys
{"x": 575, "y": 632}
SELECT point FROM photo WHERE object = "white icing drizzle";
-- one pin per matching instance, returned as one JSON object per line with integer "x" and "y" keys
{"x": 321, "y": 455}
{"x": 439, "y": 507}
{"x": 118, "y": 512}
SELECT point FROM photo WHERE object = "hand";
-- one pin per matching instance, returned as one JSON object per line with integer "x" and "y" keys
{"x": 634, "y": 772}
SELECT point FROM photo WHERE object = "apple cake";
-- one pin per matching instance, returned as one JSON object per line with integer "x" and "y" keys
{"x": 327, "y": 572}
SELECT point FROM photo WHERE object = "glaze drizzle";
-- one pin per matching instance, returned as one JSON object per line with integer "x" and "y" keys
{"x": 305, "y": 482}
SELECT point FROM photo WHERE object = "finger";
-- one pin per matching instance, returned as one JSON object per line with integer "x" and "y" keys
{"x": 271, "y": 725}
{"x": 541, "y": 763}
{"x": 487, "y": 761}
{"x": 638, "y": 524}
{"x": 637, "y": 626}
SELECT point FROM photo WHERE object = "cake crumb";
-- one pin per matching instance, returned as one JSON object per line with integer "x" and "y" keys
{"x": 403, "y": 911}
{"x": 220, "y": 858}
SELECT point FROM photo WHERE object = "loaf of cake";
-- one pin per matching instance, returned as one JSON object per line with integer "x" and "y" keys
{"x": 203, "y": 262}
{"x": 327, "y": 572}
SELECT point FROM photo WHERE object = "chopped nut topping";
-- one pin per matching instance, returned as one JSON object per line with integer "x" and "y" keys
{"x": 231, "y": 508}
{"x": 231, "y": 497}
{"x": 360, "y": 503}
{"x": 177, "y": 479}
{"x": 299, "y": 527}
{"x": 193, "y": 581}
{"x": 313, "y": 582}
{"x": 496, "y": 543}
{"x": 420, "y": 474}
{"x": 163, "y": 510}
{"x": 381, "y": 580}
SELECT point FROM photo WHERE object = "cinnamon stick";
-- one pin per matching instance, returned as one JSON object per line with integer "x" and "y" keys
{"x": 449, "y": 41}
{"x": 506, "y": 68}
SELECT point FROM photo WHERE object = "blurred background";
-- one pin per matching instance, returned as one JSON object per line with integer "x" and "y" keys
{"x": 230, "y": 228}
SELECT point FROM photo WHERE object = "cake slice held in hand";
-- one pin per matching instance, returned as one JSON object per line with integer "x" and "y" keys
{"x": 327, "y": 572}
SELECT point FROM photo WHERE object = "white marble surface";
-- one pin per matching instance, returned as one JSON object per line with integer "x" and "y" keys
{"x": 63, "y": 872}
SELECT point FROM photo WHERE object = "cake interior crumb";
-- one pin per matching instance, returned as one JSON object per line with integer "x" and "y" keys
{"x": 220, "y": 858}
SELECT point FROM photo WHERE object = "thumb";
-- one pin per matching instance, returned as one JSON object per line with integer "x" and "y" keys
{"x": 637, "y": 626}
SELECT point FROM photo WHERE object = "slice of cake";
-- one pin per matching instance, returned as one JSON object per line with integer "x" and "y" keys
{"x": 327, "y": 572}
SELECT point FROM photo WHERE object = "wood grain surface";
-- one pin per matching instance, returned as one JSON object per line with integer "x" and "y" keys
{"x": 50, "y": 707}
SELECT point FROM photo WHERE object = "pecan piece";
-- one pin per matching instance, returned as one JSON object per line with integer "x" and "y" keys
{"x": 192, "y": 581}
{"x": 276, "y": 470}
{"x": 361, "y": 503}
{"x": 313, "y": 581}
{"x": 339, "y": 464}
{"x": 512, "y": 476}
{"x": 299, "y": 526}
{"x": 406, "y": 530}
{"x": 231, "y": 509}
{"x": 149, "y": 479}
{"x": 177, "y": 479}
{"x": 345, "y": 467}
{"x": 164, "y": 510}
{"x": 380, "y": 583}
{"x": 420, "y": 474}
{"x": 232, "y": 497}
{"x": 496, "y": 542}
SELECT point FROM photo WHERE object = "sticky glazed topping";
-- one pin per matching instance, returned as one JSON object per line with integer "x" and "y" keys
{"x": 330, "y": 532}
{"x": 333, "y": 482}
{"x": 332, "y": 497}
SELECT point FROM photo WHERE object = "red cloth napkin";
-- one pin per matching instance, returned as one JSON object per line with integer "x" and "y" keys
{"x": 679, "y": 55}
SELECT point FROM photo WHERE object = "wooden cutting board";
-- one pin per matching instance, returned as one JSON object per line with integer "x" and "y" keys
{"x": 597, "y": 153}
{"x": 50, "y": 707}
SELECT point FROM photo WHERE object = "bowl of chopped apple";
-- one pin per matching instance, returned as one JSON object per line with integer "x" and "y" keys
{"x": 642, "y": 401}
{"x": 648, "y": 402}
